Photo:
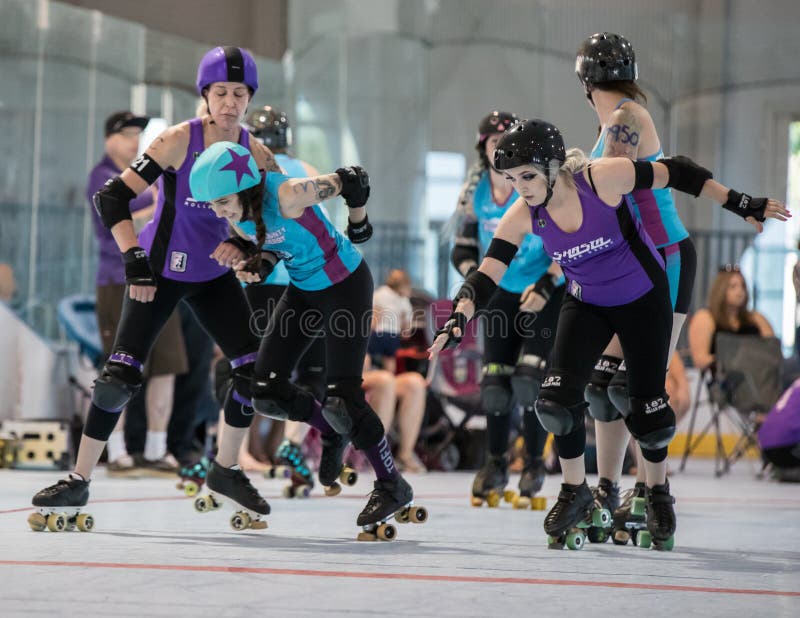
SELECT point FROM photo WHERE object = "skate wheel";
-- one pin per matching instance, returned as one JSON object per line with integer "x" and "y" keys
{"x": 575, "y": 540}
{"x": 56, "y": 522}
{"x": 85, "y": 522}
{"x": 638, "y": 507}
{"x": 333, "y": 490}
{"x": 304, "y": 491}
{"x": 476, "y": 501}
{"x": 644, "y": 539}
{"x": 403, "y": 516}
{"x": 538, "y": 503}
{"x": 191, "y": 488}
{"x": 601, "y": 518}
{"x": 366, "y": 536}
{"x": 386, "y": 532}
{"x": 37, "y": 522}
{"x": 179, "y": 485}
{"x": 240, "y": 520}
{"x": 597, "y": 535}
{"x": 288, "y": 491}
{"x": 666, "y": 545}
{"x": 418, "y": 514}
{"x": 202, "y": 504}
{"x": 509, "y": 495}
{"x": 348, "y": 476}
{"x": 258, "y": 524}
{"x": 493, "y": 499}
{"x": 621, "y": 537}
{"x": 555, "y": 542}
{"x": 521, "y": 502}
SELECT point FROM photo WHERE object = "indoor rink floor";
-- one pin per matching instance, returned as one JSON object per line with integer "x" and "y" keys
{"x": 150, "y": 554}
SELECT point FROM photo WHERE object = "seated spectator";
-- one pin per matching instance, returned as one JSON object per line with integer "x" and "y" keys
{"x": 726, "y": 312}
{"x": 398, "y": 398}
{"x": 392, "y": 316}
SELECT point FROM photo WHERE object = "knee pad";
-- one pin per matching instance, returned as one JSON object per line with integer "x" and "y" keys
{"x": 560, "y": 406}
{"x": 281, "y": 400}
{"x": 527, "y": 379}
{"x": 496, "y": 396}
{"x": 600, "y": 406}
{"x": 120, "y": 380}
{"x": 651, "y": 421}
{"x": 618, "y": 390}
{"x": 348, "y": 413}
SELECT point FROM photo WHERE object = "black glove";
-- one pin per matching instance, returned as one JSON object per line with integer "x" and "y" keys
{"x": 262, "y": 268}
{"x": 355, "y": 185}
{"x": 137, "y": 267}
{"x": 359, "y": 232}
{"x": 746, "y": 206}
{"x": 246, "y": 246}
{"x": 456, "y": 320}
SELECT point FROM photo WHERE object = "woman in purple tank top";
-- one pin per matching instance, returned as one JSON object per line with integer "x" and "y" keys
{"x": 615, "y": 284}
{"x": 181, "y": 255}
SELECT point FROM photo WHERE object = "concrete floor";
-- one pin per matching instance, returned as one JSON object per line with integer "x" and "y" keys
{"x": 737, "y": 552}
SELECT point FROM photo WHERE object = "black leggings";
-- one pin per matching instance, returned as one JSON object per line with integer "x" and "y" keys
{"x": 263, "y": 300}
{"x": 507, "y": 334}
{"x": 643, "y": 326}
{"x": 340, "y": 316}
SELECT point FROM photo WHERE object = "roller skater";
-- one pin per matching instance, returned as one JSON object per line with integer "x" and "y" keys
{"x": 616, "y": 284}
{"x": 52, "y": 511}
{"x": 233, "y": 484}
{"x": 574, "y": 512}
{"x": 390, "y": 499}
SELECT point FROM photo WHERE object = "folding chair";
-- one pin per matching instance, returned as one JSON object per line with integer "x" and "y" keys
{"x": 746, "y": 385}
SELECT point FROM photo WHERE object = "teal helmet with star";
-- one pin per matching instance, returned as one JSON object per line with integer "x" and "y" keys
{"x": 222, "y": 169}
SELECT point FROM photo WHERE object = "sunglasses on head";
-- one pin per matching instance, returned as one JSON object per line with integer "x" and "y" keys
{"x": 729, "y": 268}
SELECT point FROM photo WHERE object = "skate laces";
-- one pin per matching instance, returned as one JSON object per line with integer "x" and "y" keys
{"x": 565, "y": 498}
{"x": 54, "y": 489}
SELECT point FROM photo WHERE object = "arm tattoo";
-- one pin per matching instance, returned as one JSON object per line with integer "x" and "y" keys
{"x": 622, "y": 135}
{"x": 326, "y": 189}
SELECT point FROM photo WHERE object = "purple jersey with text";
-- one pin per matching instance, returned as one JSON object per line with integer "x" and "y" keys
{"x": 184, "y": 232}
{"x": 606, "y": 260}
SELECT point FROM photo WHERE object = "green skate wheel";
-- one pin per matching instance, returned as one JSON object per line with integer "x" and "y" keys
{"x": 601, "y": 518}
{"x": 638, "y": 507}
{"x": 575, "y": 540}
{"x": 665, "y": 545}
{"x": 644, "y": 539}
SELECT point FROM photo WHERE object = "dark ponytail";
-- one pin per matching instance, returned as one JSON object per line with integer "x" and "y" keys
{"x": 252, "y": 200}
{"x": 626, "y": 87}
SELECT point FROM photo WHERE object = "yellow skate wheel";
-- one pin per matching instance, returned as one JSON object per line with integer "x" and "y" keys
{"x": 56, "y": 522}
{"x": 621, "y": 537}
{"x": 191, "y": 488}
{"x": 258, "y": 524}
{"x": 202, "y": 504}
{"x": 476, "y": 501}
{"x": 333, "y": 490}
{"x": 538, "y": 503}
{"x": 348, "y": 476}
{"x": 521, "y": 502}
{"x": 85, "y": 522}
{"x": 418, "y": 514}
{"x": 403, "y": 516}
{"x": 509, "y": 495}
{"x": 366, "y": 536}
{"x": 37, "y": 522}
{"x": 240, "y": 520}
{"x": 493, "y": 499}
{"x": 386, "y": 532}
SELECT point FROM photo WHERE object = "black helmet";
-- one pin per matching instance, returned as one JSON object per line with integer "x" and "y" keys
{"x": 605, "y": 57}
{"x": 269, "y": 125}
{"x": 496, "y": 122}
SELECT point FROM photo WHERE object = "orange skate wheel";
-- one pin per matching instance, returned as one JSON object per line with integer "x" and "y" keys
{"x": 386, "y": 532}
{"x": 538, "y": 503}
{"x": 37, "y": 522}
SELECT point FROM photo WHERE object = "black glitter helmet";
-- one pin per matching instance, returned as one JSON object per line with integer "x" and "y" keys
{"x": 605, "y": 57}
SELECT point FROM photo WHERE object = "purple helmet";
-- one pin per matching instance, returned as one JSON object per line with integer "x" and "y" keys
{"x": 227, "y": 64}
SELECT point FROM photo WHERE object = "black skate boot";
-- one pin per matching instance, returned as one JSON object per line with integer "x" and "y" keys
{"x": 629, "y": 518}
{"x": 606, "y": 496}
{"x": 490, "y": 482}
{"x": 290, "y": 455}
{"x": 660, "y": 519}
{"x": 389, "y": 499}
{"x": 530, "y": 483}
{"x": 331, "y": 468}
{"x": 235, "y": 485}
{"x": 573, "y": 512}
{"x": 59, "y": 507}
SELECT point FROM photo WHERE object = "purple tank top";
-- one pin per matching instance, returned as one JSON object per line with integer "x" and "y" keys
{"x": 185, "y": 232}
{"x": 606, "y": 261}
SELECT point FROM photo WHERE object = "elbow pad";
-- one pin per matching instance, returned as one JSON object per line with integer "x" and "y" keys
{"x": 478, "y": 288}
{"x": 464, "y": 258}
{"x": 685, "y": 175}
{"x": 112, "y": 202}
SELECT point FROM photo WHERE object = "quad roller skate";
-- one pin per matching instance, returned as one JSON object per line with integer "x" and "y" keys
{"x": 530, "y": 483}
{"x": 58, "y": 507}
{"x": 293, "y": 466}
{"x": 389, "y": 499}
{"x": 193, "y": 477}
{"x": 490, "y": 483}
{"x": 234, "y": 485}
{"x": 660, "y": 533}
{"x": 332, "y": 471}
{"x": 606, "y": 496}
{"x": 629, "y": 518}
{"x": 575, "y": 510}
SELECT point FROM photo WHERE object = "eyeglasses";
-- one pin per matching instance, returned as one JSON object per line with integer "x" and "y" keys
{"x": 729, "y": 268}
